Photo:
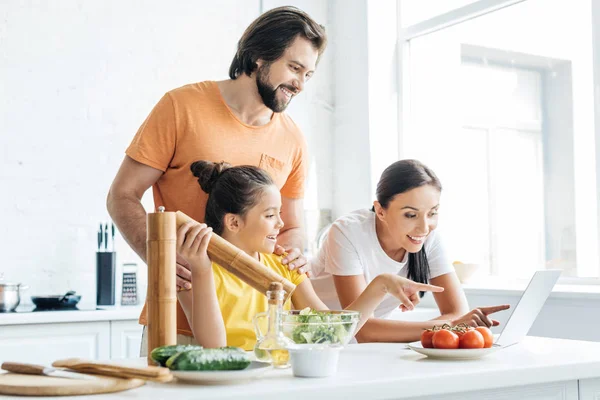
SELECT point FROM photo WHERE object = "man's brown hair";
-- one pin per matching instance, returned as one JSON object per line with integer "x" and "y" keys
{"x": 270, "y": 34}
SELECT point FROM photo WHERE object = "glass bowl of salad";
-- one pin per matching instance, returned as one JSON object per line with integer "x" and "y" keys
{"x": 329, "y": 327}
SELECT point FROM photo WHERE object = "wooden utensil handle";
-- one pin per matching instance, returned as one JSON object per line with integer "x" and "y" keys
{"x": 77, "y": 364}
{"x": 20, "y": 368}
{"x": 124, "y": 375}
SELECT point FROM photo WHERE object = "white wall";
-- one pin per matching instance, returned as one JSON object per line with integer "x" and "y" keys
{"x": 76, "y": 81}
{"x": 351, "y": 157}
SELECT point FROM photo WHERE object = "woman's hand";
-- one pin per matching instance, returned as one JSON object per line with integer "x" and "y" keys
{"x": 192, "y": 242}
{"x": 479, "y": 316}
{"x": 405, "y": 290}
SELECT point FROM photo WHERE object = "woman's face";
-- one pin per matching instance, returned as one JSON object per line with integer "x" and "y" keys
{"x": 411, "y": 216}
{"x": 261, "y": 224}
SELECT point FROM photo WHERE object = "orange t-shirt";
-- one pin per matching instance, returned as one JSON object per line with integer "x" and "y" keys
{"x": 194, "y": 123}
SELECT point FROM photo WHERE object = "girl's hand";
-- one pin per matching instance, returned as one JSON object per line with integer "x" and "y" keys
{"x": 479, "y": 316}
{"x": 405, "y": 290}
{"x": 192, "y": 242}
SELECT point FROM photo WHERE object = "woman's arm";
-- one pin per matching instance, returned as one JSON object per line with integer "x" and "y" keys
{"x": 200, "y": 305}
{"x": 366, "y": 302}
{"x": 452, "y": 302}
{"x": 350, "y": 288}
{"x": 382, "y": 330}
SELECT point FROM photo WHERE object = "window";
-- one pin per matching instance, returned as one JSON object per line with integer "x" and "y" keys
{"x": 500, "y": 104}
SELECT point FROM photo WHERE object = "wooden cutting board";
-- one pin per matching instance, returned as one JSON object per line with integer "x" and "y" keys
{"x": 36, "y": 385}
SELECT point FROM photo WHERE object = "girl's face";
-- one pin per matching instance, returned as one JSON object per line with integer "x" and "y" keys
{"x": 411, "y": 216}
{"x": 260, "y": 226}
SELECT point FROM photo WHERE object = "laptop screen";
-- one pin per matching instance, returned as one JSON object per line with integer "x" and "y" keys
{"x": 529, "y": 306}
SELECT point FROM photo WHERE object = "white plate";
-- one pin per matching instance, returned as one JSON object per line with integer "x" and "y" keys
{"x": 452, "y": 354}
{"x": 256, "y": 368}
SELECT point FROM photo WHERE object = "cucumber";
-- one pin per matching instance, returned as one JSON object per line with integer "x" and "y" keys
{"x": 163, "y": 353}
{"x": 219, "y": 359}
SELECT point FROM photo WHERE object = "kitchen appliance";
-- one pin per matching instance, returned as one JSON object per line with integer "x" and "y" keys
{"x": 129, "y": 286}
{"x": 56, "y": 302}
{"x": 529, "y": 306}
{"x": 161, "y": 298}
{"x": 10, "y": 296}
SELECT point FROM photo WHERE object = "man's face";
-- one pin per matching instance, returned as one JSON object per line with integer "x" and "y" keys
{"x": 284, "y": 78}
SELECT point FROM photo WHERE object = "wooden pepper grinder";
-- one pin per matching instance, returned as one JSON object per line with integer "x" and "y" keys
{"x": 161, "y": 256}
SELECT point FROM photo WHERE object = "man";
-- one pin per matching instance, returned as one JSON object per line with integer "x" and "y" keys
{"x": 240, "y": 121}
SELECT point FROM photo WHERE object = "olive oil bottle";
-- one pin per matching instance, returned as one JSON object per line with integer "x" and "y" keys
{"x": 273, "y": 346}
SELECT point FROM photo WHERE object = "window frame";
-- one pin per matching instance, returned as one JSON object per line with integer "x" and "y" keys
{"x": 463, "y": 14}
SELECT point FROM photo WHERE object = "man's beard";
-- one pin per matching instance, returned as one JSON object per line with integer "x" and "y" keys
{"x": 268, "y": 93}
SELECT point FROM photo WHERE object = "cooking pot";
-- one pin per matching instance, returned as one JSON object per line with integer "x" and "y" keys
{"x": 10, "y": 296}
{"x": 68, "y": 300}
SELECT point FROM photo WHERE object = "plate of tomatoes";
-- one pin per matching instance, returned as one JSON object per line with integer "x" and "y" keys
{"x": 460, "y": 342}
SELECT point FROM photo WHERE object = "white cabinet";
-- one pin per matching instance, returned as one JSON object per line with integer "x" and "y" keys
{"x": 45, "y": 343}
{"x": 125, "y": 339}
{"x": 549, "y": 391}
{"x": 589, "y": 389}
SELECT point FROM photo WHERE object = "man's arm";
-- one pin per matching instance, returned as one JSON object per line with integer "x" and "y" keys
{"x": 124, "y": 201}
{"x": 292, "y": 214}
{"x": 124, "y": 204}
{"x": 291, "y": 239}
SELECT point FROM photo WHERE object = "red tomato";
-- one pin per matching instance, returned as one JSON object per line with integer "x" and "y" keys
{"x": 445, "y": 339}
{"x": 488, "y": 337}
{"x": 426, "y": 337}
{"x": 471, "y": 340}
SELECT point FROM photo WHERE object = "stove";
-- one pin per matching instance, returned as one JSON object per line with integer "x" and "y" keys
{"x": 31, "y": 308}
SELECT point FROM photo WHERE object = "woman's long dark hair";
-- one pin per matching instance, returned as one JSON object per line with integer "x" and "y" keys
{"x": 231, "y": 190}
{"x": 401, "y": 177}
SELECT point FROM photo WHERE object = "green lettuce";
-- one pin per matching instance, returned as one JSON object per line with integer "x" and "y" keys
{"x": 317, "y": 327}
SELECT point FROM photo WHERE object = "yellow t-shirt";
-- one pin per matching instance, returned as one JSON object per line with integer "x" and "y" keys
{"x": 240, "y": 302}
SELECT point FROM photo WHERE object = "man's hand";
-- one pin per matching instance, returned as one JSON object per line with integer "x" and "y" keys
{"x": 294, "y": 259}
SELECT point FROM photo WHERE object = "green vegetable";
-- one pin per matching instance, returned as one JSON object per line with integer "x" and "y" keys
{"x": 219, "y": 359}
{"x": 163, "y": 353}
{"x": 321, "y": 327}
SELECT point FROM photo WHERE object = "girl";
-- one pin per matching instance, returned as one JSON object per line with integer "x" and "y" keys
{"x": 243, "y": 207}
{"x": 397, "y": 236}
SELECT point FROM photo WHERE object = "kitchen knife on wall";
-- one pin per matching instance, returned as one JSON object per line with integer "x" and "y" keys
{"x": 112, "y": 231}
{"x": 106, "y": 237}
{"x": 32, "y": 369}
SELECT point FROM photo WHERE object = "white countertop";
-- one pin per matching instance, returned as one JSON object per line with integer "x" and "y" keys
{"x": 383, "y": 371}
{"x": 104, "y": 313}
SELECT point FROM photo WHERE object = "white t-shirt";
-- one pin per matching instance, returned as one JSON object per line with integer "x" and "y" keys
{"x": 352, "y": 248}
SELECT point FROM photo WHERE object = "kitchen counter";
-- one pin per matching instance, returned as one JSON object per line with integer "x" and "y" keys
{"x": 102, "y": 313}
{"x": 538, "y": 368}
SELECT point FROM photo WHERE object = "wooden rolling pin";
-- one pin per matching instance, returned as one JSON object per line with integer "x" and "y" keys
{"x": 161, "y": 256}
{"x": 240, "y": 263}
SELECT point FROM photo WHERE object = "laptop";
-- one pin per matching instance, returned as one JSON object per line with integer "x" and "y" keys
{"x": 529, "y": 306}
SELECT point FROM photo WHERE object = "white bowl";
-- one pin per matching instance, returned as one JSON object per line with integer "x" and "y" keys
{"x": 311, "y": 361}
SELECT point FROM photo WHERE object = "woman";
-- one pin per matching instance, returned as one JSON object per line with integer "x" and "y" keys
{"x": 243, "y": 207}
{"x": 397, "y": 236}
